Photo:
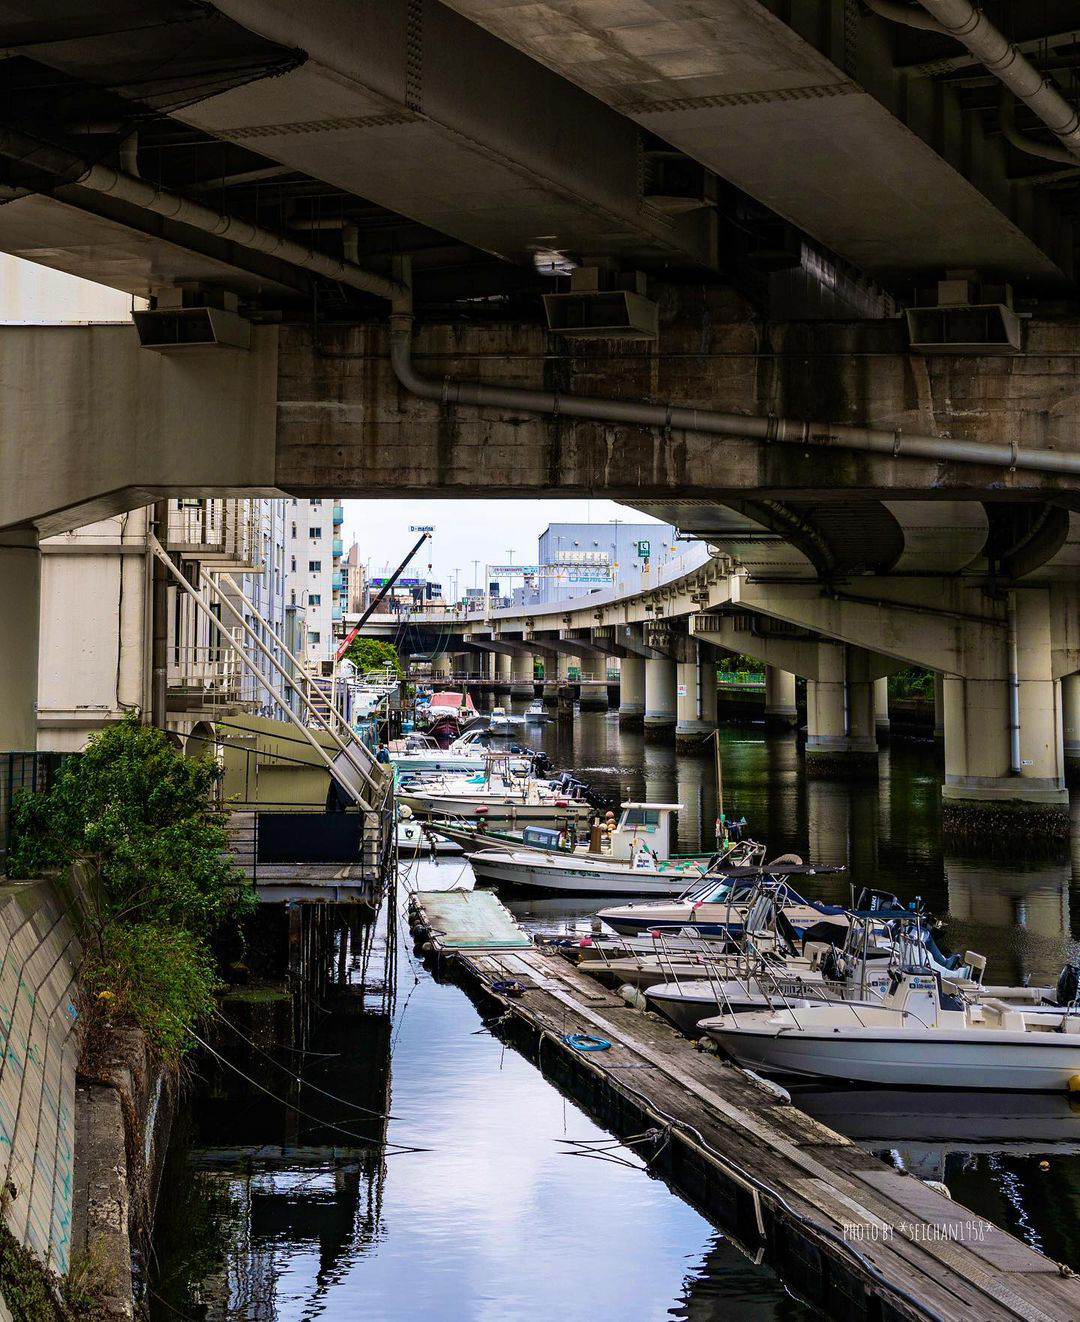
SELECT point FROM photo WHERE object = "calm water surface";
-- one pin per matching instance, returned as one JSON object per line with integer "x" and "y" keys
{"x": 270, "y": 1216}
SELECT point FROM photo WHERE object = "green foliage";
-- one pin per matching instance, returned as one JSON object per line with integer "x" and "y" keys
{"x": 734, "y": 664}
{"x": 23, "y": 1282}
{"x": 370, "y": 654}
{"x": 912, "y": 682}
{"x": 159, "y": 977}
{"x": 140, "y": 815}
{"x": 90, "y": 1279}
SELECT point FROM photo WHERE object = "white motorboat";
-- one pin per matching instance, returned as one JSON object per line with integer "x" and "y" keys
{"x": 919, "y": 1036}
{"x": 412, "y": 839}
{"x": 422, "y": 753}
{"x": 638, "y": 861}
{"x": 536, "y": 711}
{"x": 503, "y": 722}
{"x": 717, "y": 902}
{"x": 499, "y": 795}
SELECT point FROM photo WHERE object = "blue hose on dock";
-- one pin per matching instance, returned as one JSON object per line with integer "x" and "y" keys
{"x": 584, "y": 1042}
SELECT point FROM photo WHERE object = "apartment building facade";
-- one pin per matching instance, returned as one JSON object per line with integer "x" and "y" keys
{"x": 316, "y": 573}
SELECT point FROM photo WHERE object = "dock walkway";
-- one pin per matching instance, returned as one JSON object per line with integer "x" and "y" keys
{"x": 850, "y": 1234}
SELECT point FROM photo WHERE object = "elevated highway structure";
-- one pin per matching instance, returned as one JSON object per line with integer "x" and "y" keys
{"x": 346, "y": 219}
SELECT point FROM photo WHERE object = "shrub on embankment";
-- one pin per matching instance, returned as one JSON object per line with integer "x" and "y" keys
{"x": 136, "y": 818}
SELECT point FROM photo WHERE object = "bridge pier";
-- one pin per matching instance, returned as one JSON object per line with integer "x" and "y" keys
{"x": 593, "y": 695}
{"x": 985, "y": 792}
{"x": 695, "y": 700}
{"x": 780, "y": 711}
{"x": 881, "y": 709}
{"x": 840, "y": 736}
{"x": 20, "y": 605}
{"x": 1070, "y": 720}
{"x": 939, "y": 707}
{"x": 441, "y": 667}
{"x": 503, "y": 673}
{"x": 521, "y": 675}
{"x": 631, "y": 692}
{"x": 661, "y": 712}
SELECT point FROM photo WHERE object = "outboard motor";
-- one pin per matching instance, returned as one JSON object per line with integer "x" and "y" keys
{"x": 834, "y": 966}
{"x": 1068, "y": 985}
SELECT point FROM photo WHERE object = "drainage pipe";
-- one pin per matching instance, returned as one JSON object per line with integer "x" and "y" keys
{"x": 1015, "y": 768}
{"x": 447, "y": 390}
{"x": 103, "y": 179}
{"x": 971, "y": 27}
{"x": 1046, "y": 150}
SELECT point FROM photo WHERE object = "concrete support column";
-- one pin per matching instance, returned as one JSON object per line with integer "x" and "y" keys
{"x": 939, "y": 707}
{"x": 521, "y": 675}
{"x": 1070, "y": 719}
{"x": 695, "y": 699}
{"x": 20, "y": 612}
{"x": 441, "y": 667}
{"x": 840, "y": 738}
{"x": 985, "y": 794}
{"x": 780, "y": 713}
{"x": 881, "y": 708}
{"x": 502, "y": 672}
{"x": 632, "y": 691}
{"x": 661, "y": 713}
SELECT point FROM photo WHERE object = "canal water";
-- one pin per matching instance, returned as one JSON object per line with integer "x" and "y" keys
{"x": 517, "y": 1206}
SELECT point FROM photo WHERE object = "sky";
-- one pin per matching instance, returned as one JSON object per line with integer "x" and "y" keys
{"x": 484, "y": 531}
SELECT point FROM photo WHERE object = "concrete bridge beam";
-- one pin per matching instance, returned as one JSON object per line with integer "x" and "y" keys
{"x": 840, "y": 715}
{"x": 780, "y": 711}
{"x": 661, "y": 713}
{"x": 20, "y": 605}
{"x": 632, "y": 692}
{"x": 695, "y": 697}
{"x": 999, "y": 779}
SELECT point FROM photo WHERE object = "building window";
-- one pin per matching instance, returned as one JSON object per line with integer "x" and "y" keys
{"x": 313, "y": 636}
{"x": 314, "y": 532}
{"x": 315, "y": 566}
{"x": 293, "y": 563}
{"x": 315, "y": 599}
{"x": 292, "y": 596}
{"x": 316, "y": 502}
{"x": 294, "y": 530}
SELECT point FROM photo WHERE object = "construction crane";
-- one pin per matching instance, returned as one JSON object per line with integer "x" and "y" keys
{"x": 347, "y": 643}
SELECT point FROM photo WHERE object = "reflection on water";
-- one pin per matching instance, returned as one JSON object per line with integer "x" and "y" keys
{"x": 492, "y": 1219}
{"x": 276, "y": 1217}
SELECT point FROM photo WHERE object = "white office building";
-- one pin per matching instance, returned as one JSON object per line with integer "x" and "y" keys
{"x": 315, "y": 573}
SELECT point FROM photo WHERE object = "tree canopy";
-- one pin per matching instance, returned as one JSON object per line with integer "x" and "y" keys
{"x": 369, "y": 654}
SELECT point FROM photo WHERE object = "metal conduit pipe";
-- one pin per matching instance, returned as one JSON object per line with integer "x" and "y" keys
{"x": 1048, "y": 151}
{"x": 971, "y": 27}
{"x": 149, "y": 197}
{"x": 769, "y": 428}
{"x": 901, "y": 13}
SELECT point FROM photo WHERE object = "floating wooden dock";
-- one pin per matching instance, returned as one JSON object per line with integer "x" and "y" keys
{"x": 845, "y": 1231}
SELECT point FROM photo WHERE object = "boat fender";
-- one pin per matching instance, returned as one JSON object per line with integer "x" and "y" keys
{"x": 707, "y": 1045}
{"x": 938, "y": 1187}
{"x": 586, "y": 1042}
{"x": 633, "y": 996}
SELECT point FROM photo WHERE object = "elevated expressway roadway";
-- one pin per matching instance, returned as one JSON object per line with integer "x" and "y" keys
{"x": 371, "y": 200}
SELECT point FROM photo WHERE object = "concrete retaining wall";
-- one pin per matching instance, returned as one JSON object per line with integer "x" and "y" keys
{"x": 41, "y": 954}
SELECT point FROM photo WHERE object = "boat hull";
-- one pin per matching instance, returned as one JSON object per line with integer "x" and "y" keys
{"x": 493, "y": 868}
{"x": 511, "y": 813}
{"x": 907, "y": 1059}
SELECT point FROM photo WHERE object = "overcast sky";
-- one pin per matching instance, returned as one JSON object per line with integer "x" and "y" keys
{"x": 466, "y": 531}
